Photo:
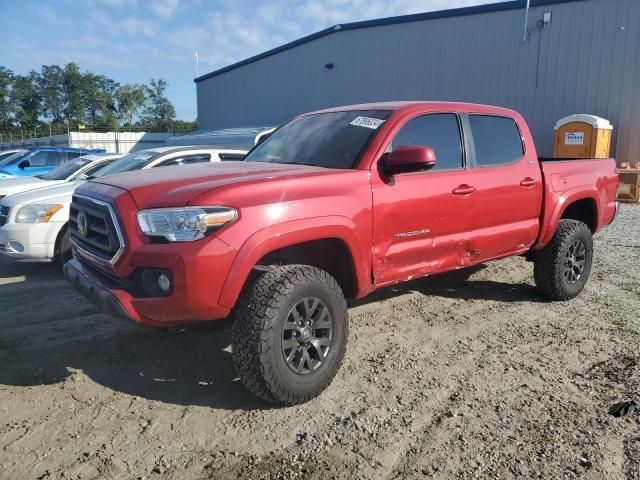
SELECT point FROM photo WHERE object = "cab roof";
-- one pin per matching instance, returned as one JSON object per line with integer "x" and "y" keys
{"x": 401, "y": 106}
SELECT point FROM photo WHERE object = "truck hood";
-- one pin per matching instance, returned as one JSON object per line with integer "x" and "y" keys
{"x": 179, "y": 185}
{"x": 11, "y": 186}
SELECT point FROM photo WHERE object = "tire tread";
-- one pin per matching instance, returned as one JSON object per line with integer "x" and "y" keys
{"x": 547, "y": 270}
{"x": 254, "y": 325}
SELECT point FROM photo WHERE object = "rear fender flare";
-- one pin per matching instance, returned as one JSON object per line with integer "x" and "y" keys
{"x": 567, "y": 198}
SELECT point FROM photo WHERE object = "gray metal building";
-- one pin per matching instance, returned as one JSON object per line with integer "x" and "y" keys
{"x": 577, "y": 56}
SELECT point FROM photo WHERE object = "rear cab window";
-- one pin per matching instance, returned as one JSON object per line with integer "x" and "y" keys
{"x": 497, "y": 140}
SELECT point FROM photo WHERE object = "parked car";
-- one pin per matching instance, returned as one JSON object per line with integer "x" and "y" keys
{"x": 33, "y": 224}
{"x": 333, "y": 205}
{"x": 67, "y": 172}
{"x": 39, "y": 160}
{"x": 243, "y": 137}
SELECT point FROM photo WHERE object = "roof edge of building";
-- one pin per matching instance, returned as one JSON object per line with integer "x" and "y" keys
{"x": 415, "y": 17}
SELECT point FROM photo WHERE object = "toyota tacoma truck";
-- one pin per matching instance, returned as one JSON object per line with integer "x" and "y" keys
{"x": 331, "y": 206}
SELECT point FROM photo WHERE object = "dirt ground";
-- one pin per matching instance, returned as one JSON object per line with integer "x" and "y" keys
{"x": 468, "y": 375}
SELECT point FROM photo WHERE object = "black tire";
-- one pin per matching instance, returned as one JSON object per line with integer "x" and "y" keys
{"x": 63, "y": 249}
{"x": 556, "y": 271}
{"x": 259, "y": 331}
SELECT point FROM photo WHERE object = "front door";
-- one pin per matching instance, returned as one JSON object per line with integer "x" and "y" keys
{"x": 420, "y": 220}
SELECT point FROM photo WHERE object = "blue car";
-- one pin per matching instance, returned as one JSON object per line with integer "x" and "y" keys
{"x": 39, "y": 160}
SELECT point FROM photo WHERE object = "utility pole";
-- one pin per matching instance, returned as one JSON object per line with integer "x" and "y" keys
{"x": 526, "y": 21}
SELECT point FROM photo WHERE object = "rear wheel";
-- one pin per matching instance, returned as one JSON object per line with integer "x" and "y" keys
{"x": 290, "y": 334}
{"x": 561, "y": 268}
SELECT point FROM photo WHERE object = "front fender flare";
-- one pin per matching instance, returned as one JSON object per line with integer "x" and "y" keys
{"x": 286, "y": 234}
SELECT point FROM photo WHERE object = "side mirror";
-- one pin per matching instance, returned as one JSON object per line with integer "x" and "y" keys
{"x": 24, "y": 164}
{"x": 409, "y": 158}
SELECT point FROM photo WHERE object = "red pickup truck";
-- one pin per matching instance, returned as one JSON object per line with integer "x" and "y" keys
{"x": 333, "y": 205}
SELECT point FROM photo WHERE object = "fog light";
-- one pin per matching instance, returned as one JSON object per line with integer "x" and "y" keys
{"x": 16, "y": 246}
{"x": 164, "y": 283}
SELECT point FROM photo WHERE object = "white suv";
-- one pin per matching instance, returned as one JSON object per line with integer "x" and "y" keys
{"x": 33, "y": 224}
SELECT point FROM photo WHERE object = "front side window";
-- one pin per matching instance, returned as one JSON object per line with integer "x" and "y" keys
{"x": 39, "y": 159}
{"x": 329, "y": 140}
{"x": 440, "y": 131}
{"x": 497, "y": 140}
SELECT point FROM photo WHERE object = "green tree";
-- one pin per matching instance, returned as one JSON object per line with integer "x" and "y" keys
{"x": 182, "y": 126}
{"x": 25, "y": 93}
{"x": 130, "y": 99}
{"x": 73, "y": 93}
{"x": 50, "y": 88}
{"x": 159, "y": 110}
{"x": 99, "y": 97}
{"x": 7, "y": 103}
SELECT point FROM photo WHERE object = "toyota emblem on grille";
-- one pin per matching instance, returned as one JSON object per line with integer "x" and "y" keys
{"x": 83, "y": 226}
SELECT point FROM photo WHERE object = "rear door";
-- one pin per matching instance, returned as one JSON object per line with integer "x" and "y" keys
{"x": 508, "y": 189}
{"x": 419, "y": 222}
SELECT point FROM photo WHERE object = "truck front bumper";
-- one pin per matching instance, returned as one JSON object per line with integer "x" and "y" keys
{"x": 96, "y": 292}
{"x": 197, "y": 274}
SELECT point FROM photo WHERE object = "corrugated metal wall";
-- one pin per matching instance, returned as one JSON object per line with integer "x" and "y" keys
{"x": 586, "y": 61}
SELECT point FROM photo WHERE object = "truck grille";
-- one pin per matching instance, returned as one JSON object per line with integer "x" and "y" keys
{"x": 4, "y": 215}
{"x": 94, "y": 229}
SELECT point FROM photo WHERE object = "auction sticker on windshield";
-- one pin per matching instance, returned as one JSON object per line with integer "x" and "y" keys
{"x": 367, "y": 122}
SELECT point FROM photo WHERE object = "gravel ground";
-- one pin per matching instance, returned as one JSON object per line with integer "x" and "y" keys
{"x": 467, "y": 375}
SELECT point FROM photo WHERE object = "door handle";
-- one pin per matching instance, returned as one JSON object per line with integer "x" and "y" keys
{"x": 528, "y": 182}
{"x": 463, "y": 190}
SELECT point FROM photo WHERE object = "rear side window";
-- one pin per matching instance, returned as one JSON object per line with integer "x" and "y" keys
{"x": 56, "y": 158}
{"x": 497, "y": 140}
{"x": 187, "y": 160}
{"x": 440, "y": 131}
{"x": 200, "y": 158}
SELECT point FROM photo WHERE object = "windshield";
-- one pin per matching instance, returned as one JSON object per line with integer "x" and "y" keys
{"x": 133, "y": 161}
{"x": 330, "y": 140}
{"x": 8, "y": 160}
{"x": 67, "y": 169}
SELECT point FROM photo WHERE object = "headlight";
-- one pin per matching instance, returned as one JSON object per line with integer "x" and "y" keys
{"x": 37, "y": 213}
{"x": 184, "y": 224}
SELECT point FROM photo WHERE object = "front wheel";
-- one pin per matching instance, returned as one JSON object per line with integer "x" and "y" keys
{"x": 562, "y": 267}
{"x": 63, "y": 250}
{"x": 290, "y": 334}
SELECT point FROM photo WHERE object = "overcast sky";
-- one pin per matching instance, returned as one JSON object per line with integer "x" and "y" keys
{"x": 135, "y": 40}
